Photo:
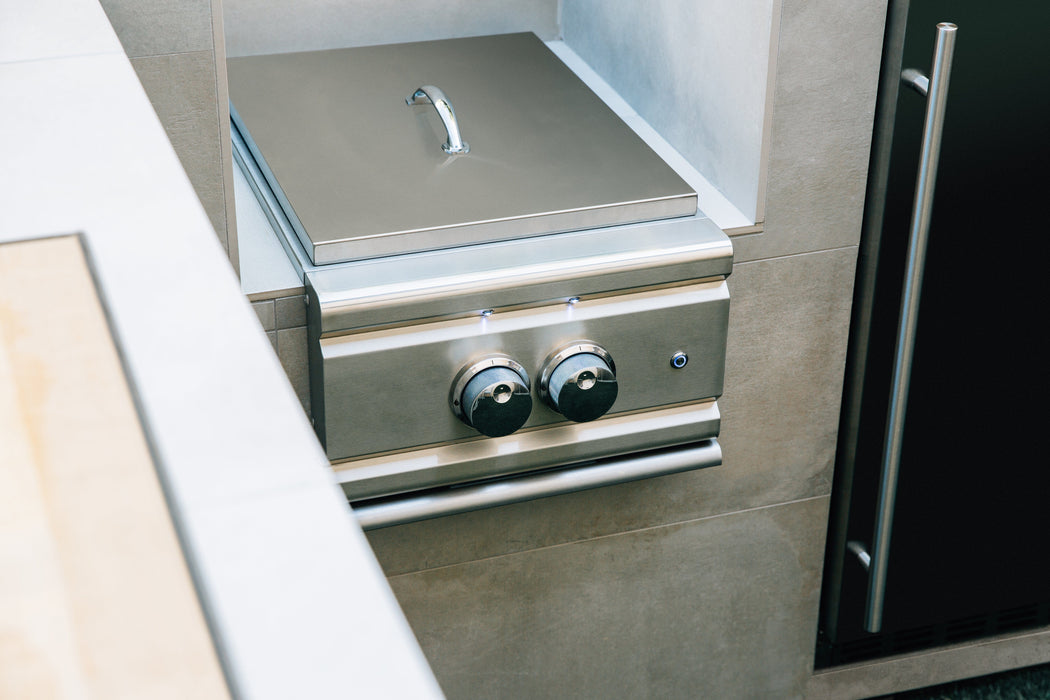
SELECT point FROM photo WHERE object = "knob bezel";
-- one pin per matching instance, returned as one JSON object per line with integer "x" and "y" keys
{"x": 471, "y": 370}
{"x": 563, "y": 353}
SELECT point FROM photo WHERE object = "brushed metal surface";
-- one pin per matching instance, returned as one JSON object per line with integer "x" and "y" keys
{"x": 405, "y": 288}
{"x": 361, "y": 174}
{"x": 552, "y": 483}
{"x": 562, "y": 443}
{"x": 412, "y": 367}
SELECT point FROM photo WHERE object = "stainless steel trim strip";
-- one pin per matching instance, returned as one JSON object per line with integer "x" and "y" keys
{"x": 563, "y": 443}
{"x": 460, "y": 500}
{"x": 909, "y": 316}
{"x": 424, "y": 285}
{"x": 500, "y": 229}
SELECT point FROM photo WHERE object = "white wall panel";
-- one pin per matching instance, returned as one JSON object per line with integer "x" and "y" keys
{"x": 278, "y": 26}
{"x": 696, "y": 70}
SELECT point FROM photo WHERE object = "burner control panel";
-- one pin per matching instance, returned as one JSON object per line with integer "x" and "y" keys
{"x": 451, "y": 380}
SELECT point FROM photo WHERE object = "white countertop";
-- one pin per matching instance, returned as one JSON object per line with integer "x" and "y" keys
{"x": 300, "y": 605}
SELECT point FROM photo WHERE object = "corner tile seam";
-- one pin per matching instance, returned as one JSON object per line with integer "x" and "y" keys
{"x": 611, "y": 534}
{"x": 787, "y": 256}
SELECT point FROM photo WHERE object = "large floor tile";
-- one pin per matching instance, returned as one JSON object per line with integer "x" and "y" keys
{"x": 723, "y": 607}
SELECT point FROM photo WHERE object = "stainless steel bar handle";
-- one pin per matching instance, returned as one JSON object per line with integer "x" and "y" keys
{"x": 909, "y": 316}
{"x": 460, "y": 500}
{"x": 455, "y": 145}
{"x": 916, "y": 80}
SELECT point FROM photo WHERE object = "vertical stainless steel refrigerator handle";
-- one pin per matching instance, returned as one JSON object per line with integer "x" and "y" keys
{"x": 922, "y": 208}
{"x": 916, "y": 80}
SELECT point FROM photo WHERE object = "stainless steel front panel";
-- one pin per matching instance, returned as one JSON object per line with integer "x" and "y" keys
{"x": 361, "y": 174}
{"x": 389, "y": 389}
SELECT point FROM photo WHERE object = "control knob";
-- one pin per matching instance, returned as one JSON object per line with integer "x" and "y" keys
{"x": 492, "y": 396}
{"x": 579, "y": 381}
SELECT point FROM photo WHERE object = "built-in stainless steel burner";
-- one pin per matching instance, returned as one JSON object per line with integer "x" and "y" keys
{"x": 515, "y": 288}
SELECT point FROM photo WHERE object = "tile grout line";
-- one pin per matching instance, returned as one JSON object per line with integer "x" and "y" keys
{"x": 65, "y": 57}
{"x": 609, "y": 535}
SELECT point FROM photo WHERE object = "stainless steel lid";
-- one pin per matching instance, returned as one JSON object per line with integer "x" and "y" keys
{"x": 362, "y": 173}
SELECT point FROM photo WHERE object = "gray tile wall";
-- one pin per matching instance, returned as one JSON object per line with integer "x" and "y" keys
{"x": 695, "y": 70}
{"x": 284, "y": 320}
{"x": 719, "y": 607}
{"x": 173, "y": 47}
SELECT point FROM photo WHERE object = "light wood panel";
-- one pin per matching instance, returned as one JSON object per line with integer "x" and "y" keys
{"x": 95, "y": 597}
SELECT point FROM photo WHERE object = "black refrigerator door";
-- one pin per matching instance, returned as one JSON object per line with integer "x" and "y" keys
{"x": 969, "y": 553}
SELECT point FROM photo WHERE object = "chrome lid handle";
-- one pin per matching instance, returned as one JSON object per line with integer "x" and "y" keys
{"x": 455, "y": 145}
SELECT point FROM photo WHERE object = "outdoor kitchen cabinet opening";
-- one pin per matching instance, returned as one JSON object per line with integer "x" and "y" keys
{"x": 548, "y": 296}
{"x": 449, "y": 290}
{"x": 529, "y": 426}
